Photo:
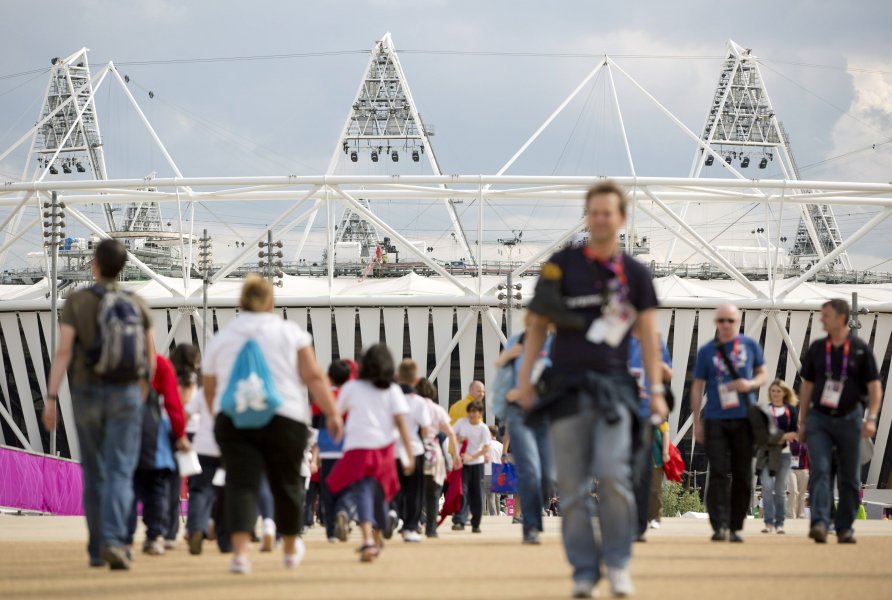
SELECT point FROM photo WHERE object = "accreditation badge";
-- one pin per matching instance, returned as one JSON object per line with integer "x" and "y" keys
{"x": 831, "y": 394}
{"x": 611, "y": 329}
{"x": 794, "y": 463}
{"x": 728, "y": 396}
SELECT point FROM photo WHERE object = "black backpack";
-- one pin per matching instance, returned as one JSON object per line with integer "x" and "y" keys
{"x": 118, "y": 354}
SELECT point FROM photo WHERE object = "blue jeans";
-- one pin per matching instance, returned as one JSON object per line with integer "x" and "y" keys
{"x": 108, "y": 418}
{"x": 587, "y": 447}
{"x": 823, "y": 433}
{"x": 774, "y": 492}
{"x": 367, "y": 498}
{"x": 202, "y": 495}
{"x": 531, "y": 450}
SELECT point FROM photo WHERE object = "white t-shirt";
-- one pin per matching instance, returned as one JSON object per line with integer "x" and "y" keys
{"x": 203, "y": 442}
{"x": 477, "y": 435}
{"x": 370, "y": 424}
{"x": 419, "y": 416}
{"x": 438, "y": 416}
{"x": 495, "y": 456}
{"x": 280, "y": 341}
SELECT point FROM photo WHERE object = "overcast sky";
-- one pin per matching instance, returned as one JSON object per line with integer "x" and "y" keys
{"x": 827, "y": 65}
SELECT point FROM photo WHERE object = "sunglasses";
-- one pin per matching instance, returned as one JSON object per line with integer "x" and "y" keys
{"x": 720, "y": 321}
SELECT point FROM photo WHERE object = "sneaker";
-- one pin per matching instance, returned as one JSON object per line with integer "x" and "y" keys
{"x": 720, "y": 535}
{"x": 432, "y": 535}
{"x": 196, "y": 538}
{"x": 128, "y": 553}
{"x": 116, "y": 558}
{"x": 476, "y": 530}
{"x": 342, "y": 525}
{"x": 292, "y": 561}
{"x": 768, "y": 529}
{"x": 517, "y": 521}
{"x": 212, "y": 531}
{"x": 240, "y": 565}
{"x": 153, "y": 547}
{"x": 620, "y": 582}
{"x": 846, "y": 537}
{"x": 531, "y": 538}
{"x": 458, "y": 527}
{"x": 333, "y": 540}
{"x": 735, "y": 538}
{"x": 393, "y": 523}
{"x": 96, "y": 561}
{"x": 170, "y": 544}
{"x": 654, "y": 524}
{"x": 411, "y": 537}
{"x": 584, "y": 589}
{"x": 818, "y": 533}
{"x": 780, "y": 530}
{"x": 640, "y": 539}
{"x": 268, "y": 541}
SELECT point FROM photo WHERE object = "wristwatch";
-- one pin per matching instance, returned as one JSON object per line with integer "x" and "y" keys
{"x": 873, "y": 418}
{"x": 658, "y": 389}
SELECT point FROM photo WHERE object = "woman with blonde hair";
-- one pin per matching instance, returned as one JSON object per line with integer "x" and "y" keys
{"x": 774, "y": 483}
{"x": 258, "y": 371}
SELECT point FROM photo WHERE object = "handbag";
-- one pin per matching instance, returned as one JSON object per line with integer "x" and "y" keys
{"x": 504, "y": 478}
{"x": 762, "y": 425}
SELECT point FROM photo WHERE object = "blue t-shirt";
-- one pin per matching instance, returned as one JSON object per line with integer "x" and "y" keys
{"x": 710, "y": 367}
{"x": 635, "y": 363}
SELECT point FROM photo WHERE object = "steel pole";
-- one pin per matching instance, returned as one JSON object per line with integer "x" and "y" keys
{"x": 54, "y": 289}
{"x": 205, "y": 267}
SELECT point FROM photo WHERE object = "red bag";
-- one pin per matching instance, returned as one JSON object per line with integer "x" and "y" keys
{"x": 674, "y": 467}
{"x": 454, "y": 492}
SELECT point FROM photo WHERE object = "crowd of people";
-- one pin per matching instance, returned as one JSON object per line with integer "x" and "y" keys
{"x": 581, "y": 400}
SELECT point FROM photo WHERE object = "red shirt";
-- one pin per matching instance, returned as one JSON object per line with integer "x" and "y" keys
{"x": 165, "y": 383}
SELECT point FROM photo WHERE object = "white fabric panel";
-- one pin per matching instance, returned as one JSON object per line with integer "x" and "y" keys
{"x": 882, "y": 438}
{"x": 321, "y": 320}
{"x": 199, "y": 328}
{"x": 35, "y": 349}
{"x": 705, "y": 326}
{"x": 467, "y": 346}
{"x": 159, "y": 328}
{"x": 664, "y": 320}
{"x": 866, "y": 326}
{"x": 442, "y": 318}
{"x": 65, "y": 405}
{"x": 798, "y": 325}
{"x": 183, "y": 333}
{"x": 881, "y": 339}
{"x": 492, "y": 345}
{"x": 9, "y": 323}
{"x": 224, "y": 316}
{"x": 370, "y": 328}
{"x": 345, "y": 322}
{"x": 681, "y": 349}
{"x": 298, "y": 315}
{"x": 752, "y": 318}
{"x": 773, "y": 341}
{"x": 517, "y": 324}
{"x": 394, "y": 328}
{"x": 419, "y": 320}
{"x": 817, "y": 330}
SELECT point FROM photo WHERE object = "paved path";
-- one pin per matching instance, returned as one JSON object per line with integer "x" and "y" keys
{"x": 44, "y": 557}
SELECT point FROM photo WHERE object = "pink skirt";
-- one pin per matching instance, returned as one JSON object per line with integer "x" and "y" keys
{"x": 357, "y": 464}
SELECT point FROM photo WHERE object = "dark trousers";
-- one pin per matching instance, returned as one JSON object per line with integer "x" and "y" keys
{"x": 276, "y": 449}
{"x": 411, "y": 495}
{"x": 472, "y": 500}
{"x": 729, "y": 450}
{"x": 150, "y": 486}
{"x": 312, "y": 494}
{"x": 642, "y": 473}
{"x": 174, "y": 507}
{"x": 201, "y": 495}
{"x": 328, "y": 500}
{"x": 834, "y": 442}
{"x": 432, "y": 493}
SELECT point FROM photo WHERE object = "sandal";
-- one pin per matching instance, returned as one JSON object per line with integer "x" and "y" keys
{"x": 368, "y": 553}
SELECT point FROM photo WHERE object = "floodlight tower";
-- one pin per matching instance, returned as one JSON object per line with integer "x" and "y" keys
{"x": 743, "y": 128}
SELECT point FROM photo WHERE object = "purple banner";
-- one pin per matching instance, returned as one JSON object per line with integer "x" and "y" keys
{"x": 34, "y": 482}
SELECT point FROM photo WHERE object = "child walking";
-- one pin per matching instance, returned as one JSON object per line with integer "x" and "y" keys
{"x": 476, "y": 433}
{"x": 367, "y": 472}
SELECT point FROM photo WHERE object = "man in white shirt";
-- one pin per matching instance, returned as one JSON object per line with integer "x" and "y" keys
{"x": 411, "y": 496}
{"x": 491, "y": 502}
{"x": 473, "y": 431}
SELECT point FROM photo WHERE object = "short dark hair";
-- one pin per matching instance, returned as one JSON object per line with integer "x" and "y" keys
{"x": 110, "y": 256}
{"x": 183, "y": 359}
{"x": 608, "y": 187}
{"x": 840, "y": 307}
{"x": 376, "y": 366}
{"x": 407, "y": 371}
{"x": 426, "y": 389}
{"x": 475, "y": 406}
{"x": 339, "y": 372}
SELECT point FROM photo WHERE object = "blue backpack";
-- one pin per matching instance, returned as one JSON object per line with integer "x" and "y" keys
{"x": 118, "y": 354}
{"x": 251, "y": 398}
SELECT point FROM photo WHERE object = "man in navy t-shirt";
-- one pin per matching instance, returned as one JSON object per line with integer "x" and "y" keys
{"x": 595, "y": 295}
{"x": 731, "y": 368}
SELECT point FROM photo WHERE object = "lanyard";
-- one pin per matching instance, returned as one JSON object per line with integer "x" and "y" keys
{"x": 777, "y": 417}
{"x": 618, "y": 286}
{"x": 844, "y": 369}
{"x": 721, "y": 368}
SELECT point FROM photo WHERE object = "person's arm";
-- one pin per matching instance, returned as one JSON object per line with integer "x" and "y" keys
{"x": 165, "y": 383}
{"x": 446, "y": 428}
{"x": 314, "y": 458}
{"x": 875, "y": 400}
{"x": 400, "y": 423}
{"x": 805, "y": 391}
{"x": 666, "y": 441}
{"x": 696, "y": 402}
{"x": 209, "y": 385}
{"x": 509, "y": 354}
{"x": 652, "y": 357}
{"x": 61, "y": 360}
{"x": 534, "y": 339}
{"x": 320, "y": 387}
